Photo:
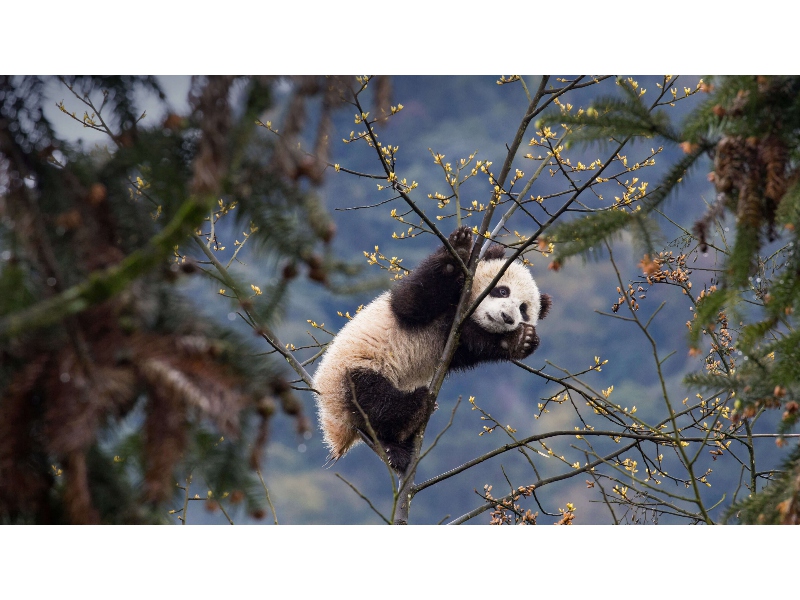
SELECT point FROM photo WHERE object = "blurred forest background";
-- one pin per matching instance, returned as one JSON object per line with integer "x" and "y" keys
{"x": 137, "y": 373}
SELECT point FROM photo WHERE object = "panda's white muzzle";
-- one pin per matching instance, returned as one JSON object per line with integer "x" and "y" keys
{"x": 498, "y": 315}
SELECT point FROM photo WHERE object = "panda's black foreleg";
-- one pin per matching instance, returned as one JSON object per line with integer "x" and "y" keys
{"x": 392, "y": 414}
{"x": 477, "y": 345}
{"x": 434, "y": 286}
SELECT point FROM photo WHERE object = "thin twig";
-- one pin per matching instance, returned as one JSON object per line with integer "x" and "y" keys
{"x": 365, "y": 499}
{"x": 542, "y": 482}
{"x": 260, "y": 327}
{"x": 269, "y": 501}
{"x": 442, "y": 432}
{"x": 186, "y": 498}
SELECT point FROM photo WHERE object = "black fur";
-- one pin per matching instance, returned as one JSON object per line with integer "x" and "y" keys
{"x": 393, "y": 415}
{"x": 546, "y": 302}
{"x": 434, "y": 286}
{"x": 523, "y": 309}
{"x": 477, "y": 346}
{"x": 494, "y": 251}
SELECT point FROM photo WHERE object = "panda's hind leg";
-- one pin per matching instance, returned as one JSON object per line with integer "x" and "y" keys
{"x": 393, "y": 415}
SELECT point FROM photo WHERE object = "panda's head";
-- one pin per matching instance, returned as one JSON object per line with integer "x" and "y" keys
{"x": 514, "y": 300}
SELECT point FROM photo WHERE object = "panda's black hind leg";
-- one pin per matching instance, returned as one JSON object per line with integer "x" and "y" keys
{"x": 392, "y": 414}
{"x": 399, "y": 455}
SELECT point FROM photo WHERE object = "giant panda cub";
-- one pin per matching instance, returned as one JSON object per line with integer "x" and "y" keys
{"x": 387, "y": 354}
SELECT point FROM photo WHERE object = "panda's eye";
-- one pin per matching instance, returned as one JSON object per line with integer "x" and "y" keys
{"x": 501, "y": 291}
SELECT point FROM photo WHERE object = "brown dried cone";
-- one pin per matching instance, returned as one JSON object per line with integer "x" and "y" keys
{"x": 729, "y": 164}
{"x": 69, "y": 220}
{"x": 289, "y": 402}
{"x": 790, "y": 508}
{"x": 97, "y": 194}
{"x": 317, "y": 271}
{"x": 702, "y": 226}
{"x": 181, "y": 376}
{"x": 92, "y": 223}
{"x": 212, "y": 111}
{"x": 722, "y": 201}
{"x": 78, "y": 403}
{"x": 303, "y": 424}
{"x": 315, "y": 168}
{"x": 187, "y": 365}
{"x": 77, "y": 498}
{"x": 749, "y": 210}
{"x": 739, "y": 103}
{"x": 173, "y": 122}
{"x": 183, "y": 379}
{"x": 289, "y": 271}
{"x": 774, "y": 155}
{"x": 266, "y": 408}
{"x": 22, "y": 488}
{"x": 287, "y": 159}
{"x": 165, "y": 440}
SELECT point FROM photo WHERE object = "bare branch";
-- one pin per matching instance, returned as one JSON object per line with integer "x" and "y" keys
{"x": 262, "y": 328}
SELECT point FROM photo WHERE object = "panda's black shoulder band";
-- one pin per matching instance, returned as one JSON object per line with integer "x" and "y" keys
{"x": 433, "y": 288}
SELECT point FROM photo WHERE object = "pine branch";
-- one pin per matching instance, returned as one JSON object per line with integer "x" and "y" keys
{"x": 580, "y": 235}
{"x": 778, "y": 503}
{"x": 102, "y": 285}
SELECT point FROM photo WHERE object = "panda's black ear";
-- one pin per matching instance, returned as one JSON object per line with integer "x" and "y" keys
{"x": 495, "y": 251}
{"x": 546, "y": 303}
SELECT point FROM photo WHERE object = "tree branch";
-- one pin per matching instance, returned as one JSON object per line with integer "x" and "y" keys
{"x": 102, "y": 285}
{"x": 261, "y": 328}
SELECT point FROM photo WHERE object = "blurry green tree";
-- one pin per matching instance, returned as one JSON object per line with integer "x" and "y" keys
{"x": 94, "y": 330}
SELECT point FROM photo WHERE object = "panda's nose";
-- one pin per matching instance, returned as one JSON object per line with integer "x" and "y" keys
{"x": 506, "y": 318}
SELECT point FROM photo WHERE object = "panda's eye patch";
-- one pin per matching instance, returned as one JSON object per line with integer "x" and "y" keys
{"x": 501, "y": 291}
{"x": 523, "y": 309}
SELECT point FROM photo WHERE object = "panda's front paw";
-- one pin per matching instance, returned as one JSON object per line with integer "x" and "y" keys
{"x": 461, "y": 240}
{"x": 521, "y": 342}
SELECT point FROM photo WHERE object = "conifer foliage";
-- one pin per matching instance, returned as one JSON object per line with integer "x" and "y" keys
{"x": 112, "y": 390}
{"x": 749, "y": 128}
